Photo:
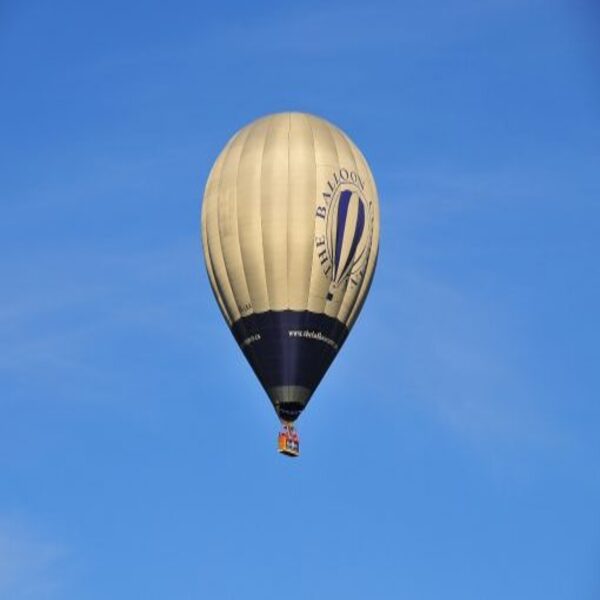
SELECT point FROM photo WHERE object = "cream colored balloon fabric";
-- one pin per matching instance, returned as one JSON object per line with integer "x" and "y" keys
{"x": 290, "y": 220}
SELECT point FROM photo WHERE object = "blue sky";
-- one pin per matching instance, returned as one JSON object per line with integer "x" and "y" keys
{"x": 137, "y": 453}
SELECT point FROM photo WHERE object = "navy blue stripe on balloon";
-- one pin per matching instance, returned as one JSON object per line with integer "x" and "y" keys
{"x": 281, "y": 359}
{"x": 342, "y": 214}
{"x": 358, "y": 231}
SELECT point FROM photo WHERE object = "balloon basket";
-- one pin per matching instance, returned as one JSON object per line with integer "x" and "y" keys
{"x": 288, "y": 442}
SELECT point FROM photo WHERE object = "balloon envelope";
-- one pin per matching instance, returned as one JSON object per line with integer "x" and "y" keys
{"x": 290, "y": 232}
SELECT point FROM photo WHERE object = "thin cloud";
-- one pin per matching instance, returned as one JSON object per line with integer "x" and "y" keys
{"x": 50, "y": 324}
{"x": 29, "y": 566}
{"x": 454, "y": 357}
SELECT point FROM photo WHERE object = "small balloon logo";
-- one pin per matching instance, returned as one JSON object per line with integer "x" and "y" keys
{"x": 344, "y": 229}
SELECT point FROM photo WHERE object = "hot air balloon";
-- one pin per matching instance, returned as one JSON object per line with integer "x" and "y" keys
{"x": 290, "y": 233}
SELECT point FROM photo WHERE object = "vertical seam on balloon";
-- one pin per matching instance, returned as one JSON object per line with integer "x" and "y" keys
{"x": 207, "y": 258}
{"x": 218, "y": 235}
{"x": 210, "y": 271}
{"x": 337, "y": 157}
{"x": 237, "y": 217}
{"x": 219, "y": 287}
{"x": 219, "y": 212}
{"x": 314, "y": 199}
{"x": 262, "y": 232}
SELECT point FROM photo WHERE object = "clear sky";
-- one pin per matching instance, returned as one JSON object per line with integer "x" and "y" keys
{"x": 137, "y": 451}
